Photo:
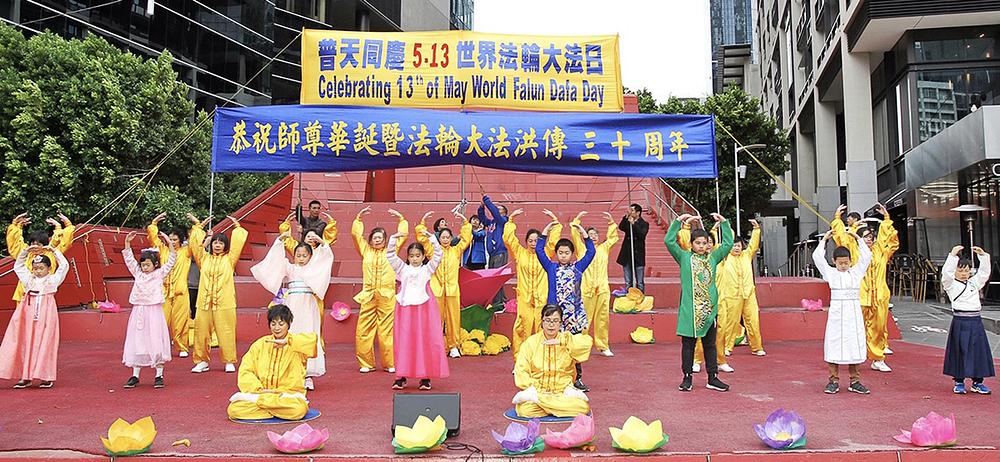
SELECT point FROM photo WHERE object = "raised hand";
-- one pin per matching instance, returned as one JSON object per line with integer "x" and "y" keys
{"x": 828, "y": 235}
{"x": 284, "y": 235}
{"x": 883, "y": 211}
{"x": 684, "y": 217}
{"x": 459, "y": 215}
{"x": 53, "y": 222}
{"x": 22, "y": 219}
{"x": 515, "y": 213}
{"x": 978, "y": 250}
{"x": 165, "y": 238}
{"x": 193, "y": 219}
{"x": 957, "y": 249}
{"x": 290, "y": 217}
{"x": 235, "y": 221}
{"x": 611, "y": 218}
{"x": 582, "y": 230}
{"x": 64, "y": 219}
{"x": 129, "y": 237}
{"x": 365, "y": 211}
{"x": 550, "y": 214}
{"x": 426, "y": 216}
{"x": 395, "y": 213}
{"x": 580, "y": 215}
{"x": 718, "y": 218}
{"x": 328, "y": 217}
{"x": 396, "y": 236}
{"x": 205, "y": 222}
{"x": 545, "y": 232}
{"x": 157, "y": 219}
{"x": 753, "y": 221}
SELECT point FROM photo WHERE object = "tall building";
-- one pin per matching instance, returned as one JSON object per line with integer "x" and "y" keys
{"x": 221, "y": 45}
{"x": 889, "y": 101}
{"x": 732, "y": 24}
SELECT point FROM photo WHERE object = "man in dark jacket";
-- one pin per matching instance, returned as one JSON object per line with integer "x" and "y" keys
{"x": 632, "y": 256}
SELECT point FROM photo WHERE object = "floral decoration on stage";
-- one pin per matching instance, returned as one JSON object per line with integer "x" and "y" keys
{"x": 520, "y": 439}
{"x": 579, "y": 433}
{"x": 129, "y": 439}
{"x": 423, "y": 436}
{"x": 933, "y": 430}
{"x": 782, "y": 430}
{"x": 299, "y": 440}
{"x": 638, "y": 436}
{"x": 642, "y": 335}
{"x": 476, "y": 343}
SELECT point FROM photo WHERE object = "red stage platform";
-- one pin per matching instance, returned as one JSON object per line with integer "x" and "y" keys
{"x": 640, "y": 380}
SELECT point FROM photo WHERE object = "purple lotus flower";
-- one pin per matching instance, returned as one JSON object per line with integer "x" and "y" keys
{"x": 517, "y": 437}
{"x": 782, "y": 430}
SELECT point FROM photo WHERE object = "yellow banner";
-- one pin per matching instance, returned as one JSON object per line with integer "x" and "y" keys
{"x": 461, "y": 69}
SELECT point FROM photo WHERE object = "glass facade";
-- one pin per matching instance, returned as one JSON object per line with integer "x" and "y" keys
{"x": 461, "y": 14}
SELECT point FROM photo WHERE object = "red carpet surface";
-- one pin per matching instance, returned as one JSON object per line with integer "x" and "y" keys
{"x": 640, "y": 380}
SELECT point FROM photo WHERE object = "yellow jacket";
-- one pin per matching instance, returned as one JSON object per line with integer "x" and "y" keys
{"x": 376, "y": 274}
{"x": 62, "y": 239}
{"x": 445, "y": 280}
{"x": 550, "y": 368}
{"x": 329, "y": 234}
{"x": 842, "y": 239}
{"x": 874, "y": 287}
{"x": 175, "y": 284}
{"x": 734, "y": 275}
{"x": 281, "y": 369}
{"x": 531, "y": 277}
{"x": 595, "y": 278}
{"x": 217, "y": 288}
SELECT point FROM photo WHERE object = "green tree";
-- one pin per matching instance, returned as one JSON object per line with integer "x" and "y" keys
{"x": 742, "y": 115}
{"x": 81, "y": 121}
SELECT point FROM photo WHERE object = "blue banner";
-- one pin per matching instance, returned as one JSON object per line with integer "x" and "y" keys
{"x": 338, "y": 138}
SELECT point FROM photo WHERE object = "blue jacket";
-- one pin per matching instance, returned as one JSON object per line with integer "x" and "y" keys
{"x": 550, "y": 266}
{"x": 476, "y": 252}
{"x": 494, "y": 242}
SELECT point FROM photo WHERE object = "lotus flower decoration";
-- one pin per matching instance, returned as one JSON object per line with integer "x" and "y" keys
{"x": 520, "y": 439}
{"x": 637, "y": 436}
{"x": 129, "y": 439}
{"x": 782, "y": 430}
{"x": 934, "y": 430}
{"x": 642, "y": 335}
{"x": 299, "y": 440}
{"x": 579, "y": 433}
{"x": 340, "y": 311}
{"x": 424, "y": 435}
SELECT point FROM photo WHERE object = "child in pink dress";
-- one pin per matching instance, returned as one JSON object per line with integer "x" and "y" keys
{"x": 31, "y": 344}
{"x": 147, "y": 340}
{"x": 417, "y": 338}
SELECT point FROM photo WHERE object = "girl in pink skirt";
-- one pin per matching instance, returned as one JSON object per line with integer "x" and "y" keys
{"x": 31, "y": 344}
{"x": 147, "y": 340}
{"x": 417, "y": 339}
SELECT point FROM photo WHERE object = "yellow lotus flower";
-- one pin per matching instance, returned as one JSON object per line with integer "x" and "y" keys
{"x": 501, "y": 340}
{"x": 470, "y": 348}
{"x": 646, "y": 304}
{"x": 125, "y": 439}
{"x": 490, "y": 347}
{"x": 642, "y": 335}
{"x": 425, "y": 433}
{"x": 463, "y": 335}
{"x": 636, "y": 436}
{"x": 477, "y": 336}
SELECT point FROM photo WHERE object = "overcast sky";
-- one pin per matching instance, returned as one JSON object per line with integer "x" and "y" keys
{"x": 664, "y": 45}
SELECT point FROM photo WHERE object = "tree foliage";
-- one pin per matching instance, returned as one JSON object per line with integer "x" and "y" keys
{"x": 81, "y": 121}
{"x": 742, "y": 115}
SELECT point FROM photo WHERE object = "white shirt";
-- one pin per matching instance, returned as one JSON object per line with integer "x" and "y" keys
{"x": 413, "y": 280}
{"x": 965, "y": 296}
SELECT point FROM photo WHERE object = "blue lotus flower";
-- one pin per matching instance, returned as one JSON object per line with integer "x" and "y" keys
{"x": 782, "y": 430}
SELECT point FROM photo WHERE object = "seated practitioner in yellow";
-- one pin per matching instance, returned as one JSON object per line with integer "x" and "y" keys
{"x": 546, "y": 367}
{"x": 273, "y": 372}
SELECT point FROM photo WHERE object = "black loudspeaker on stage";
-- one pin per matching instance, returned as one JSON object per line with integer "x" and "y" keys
{"x": 406, "y": 407}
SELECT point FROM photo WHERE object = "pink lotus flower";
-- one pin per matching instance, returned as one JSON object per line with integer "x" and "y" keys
{"x": 933, "y": 431}
{"x": 109, "y": 306}
{"x": 340, "y": 311}
{"x": 510, "y": 306}
{"x": 579, "y": 433}
{"x": 299, "y": 440}
{"x": 812, "y": 305}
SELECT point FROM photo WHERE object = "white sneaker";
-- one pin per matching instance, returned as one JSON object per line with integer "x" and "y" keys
{"x": 230, "y": 368}
{"x": 726, "y": 368}
{"x": 880, "y": 366}
{"x": 454, "y": 353}
{"x": 696, "y": 367}
{"x": 309, "y": 384}
{"x": 887, "y": 351}
{"x": 391, "y": 370}
{"x": 729, "y": 352}
{"x": 759, "y": 353}
{"x": 607, "y": 353}
{"x": 200, "y": 367}
{"x": 365, "y": 370}
{"x": 182, "y": 354}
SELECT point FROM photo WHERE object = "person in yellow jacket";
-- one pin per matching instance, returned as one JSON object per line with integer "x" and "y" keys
{"x": 738, "y": 293}
{"x": 216, "y": 257}
{"x": 378, "y": 292}
{"x": 272, "y": 373}
{"x": 310, "y": 237}
{"x": 176, "y": 303}
{"x": 444, "y": 284}
{"x": 61, "y": 238}
{"x": 532, "y": 281}
{"x": 843, "y": 233}
{"x": 544, "y": 369}
{"x": 594, "y": 288}
{"x": 875, "y": 290}
{"x": 684, "y": 241}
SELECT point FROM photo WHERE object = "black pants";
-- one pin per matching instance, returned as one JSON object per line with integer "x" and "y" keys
{"x": 193, "y": 298}
{"x": 475, "y": 266}
{"x": 708, "y": 343}
{"x": 579, "y": 371}
{"x": 974, "y": 379}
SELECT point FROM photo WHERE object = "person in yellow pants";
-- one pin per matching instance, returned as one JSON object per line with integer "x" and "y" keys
{"x": 738, "y": 294}
{"x": 176, "y": 303}
{"x": 444, "y": 284}
{"x": 684, "y": 241}
{"x": 216, "y": 293}
{"x": 545, "y": 369}
{"x": 61, "y": 238}
{"x": 594, "y": 288}
{"x": 272, "y": 373}
{"x": 378, "y": 292}
{"x": 532, "y": 281}
{"x": 875, "y": 291}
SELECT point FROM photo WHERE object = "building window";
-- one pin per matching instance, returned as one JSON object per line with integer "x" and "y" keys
{"x": 945, "y": 97}
{"x": 958, "y": 45}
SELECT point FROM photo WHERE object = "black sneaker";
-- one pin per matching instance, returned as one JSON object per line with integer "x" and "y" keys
{"x": 399, "y": 384}
{"x": 857, "y": 387}
{"x": 22, "y": 384}
{"x": 685, "y": 384}
{"x": 831, "y": 388}
{"x": 158, "y": 382}
{"x": 425, "y": 384}
{"x": 579, "y": 385}
{"x": 132, "y": 382}
{"x": 715, "y": 384}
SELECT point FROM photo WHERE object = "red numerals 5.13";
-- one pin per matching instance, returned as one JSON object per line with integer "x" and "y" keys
{"x": 433, "y": 55}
